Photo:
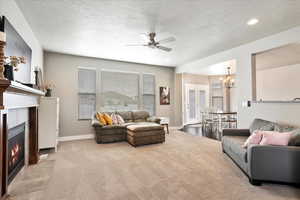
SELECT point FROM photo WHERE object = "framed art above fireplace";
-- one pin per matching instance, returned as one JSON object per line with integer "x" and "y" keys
{"x": 17, "y": 46}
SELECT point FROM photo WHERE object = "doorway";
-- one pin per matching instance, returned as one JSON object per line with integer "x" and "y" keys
{"x": 196, "y": 100}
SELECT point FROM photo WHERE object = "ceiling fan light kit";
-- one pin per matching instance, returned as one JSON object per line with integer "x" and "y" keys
{"x": 153, "y": 44}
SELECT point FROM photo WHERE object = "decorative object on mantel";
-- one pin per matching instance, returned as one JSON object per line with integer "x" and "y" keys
{"x": 2, "y": 45}
{"x": 15, "y": 61}
{"x": 36, "y": 73}
{"x": 164, "y": 95}
{"x": 229, "y": 80}
{"x": 9, "y": 72}
{"x": 11, "y": 65}
{"x": 40, "y": 81}
{"x": 48, "y": 88}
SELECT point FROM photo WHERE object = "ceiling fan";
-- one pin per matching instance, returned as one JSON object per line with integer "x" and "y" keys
{"x": 152, "y": 43}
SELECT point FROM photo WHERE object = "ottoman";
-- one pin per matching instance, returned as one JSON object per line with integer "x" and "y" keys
{"x": 148, "y": 133}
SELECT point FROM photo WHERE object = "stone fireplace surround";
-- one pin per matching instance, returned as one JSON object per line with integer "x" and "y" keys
{"x": 18, "y": 104}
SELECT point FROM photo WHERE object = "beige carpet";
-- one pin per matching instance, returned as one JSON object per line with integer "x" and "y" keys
{"x": 185, "y": 167}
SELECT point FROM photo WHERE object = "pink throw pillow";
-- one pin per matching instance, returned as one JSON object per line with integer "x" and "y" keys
{"x": 254, "y": 138}
{"x": 114, "y": 118}
{"x": 275, "y": 138}
{"x": 120, "y": 119}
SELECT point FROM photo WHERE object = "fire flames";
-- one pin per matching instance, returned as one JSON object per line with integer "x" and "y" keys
{"x": 15, "y": 151}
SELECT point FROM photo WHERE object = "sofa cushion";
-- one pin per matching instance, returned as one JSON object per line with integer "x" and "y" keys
{"x": 260, "y": 124}
{"x": 108, "y": 119}
{"x": 120, "y": 119}
{"x": 254, "y": 138}
{"x": 109, "y": 113}
{"x": 295, "y": 138}
{"x": 133, "y": 123}
{"x": 140, "y": 116}
{"x": 114, "y": 119}
{"x": 283, "y": 128}
{"x": 126, "y": 115}
{"x": 127, "y": 124}
{"x": 144, "y": 127}
{"x": 275, "y": 138}
{"x": 113, "y": 127}
{"x": 235, "y": 145}
{"x": 100, "y": 118}
{"x": 154, "y": 119}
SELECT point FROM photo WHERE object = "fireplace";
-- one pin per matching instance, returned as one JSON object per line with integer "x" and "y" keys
{"x": 15, "y": 150}
{"x": 14, "y": 95}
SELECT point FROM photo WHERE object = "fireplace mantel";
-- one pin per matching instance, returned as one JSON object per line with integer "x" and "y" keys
{"x": 20, "y": 88}
{"x": 14, "y": 95}
{"x": 11, "y": 89}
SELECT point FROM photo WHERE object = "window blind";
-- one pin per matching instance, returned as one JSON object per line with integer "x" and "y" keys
{"x": 86, "y": 93}
{"x": 149, "y": 93}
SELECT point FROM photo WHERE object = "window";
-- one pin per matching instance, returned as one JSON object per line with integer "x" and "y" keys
{"x": 86, "y": 92}
{"x": 217, "y": 103}
{"x": 119, "y": 91}
{"x": 149, "y": 93}
{"x": 217, "y": 95}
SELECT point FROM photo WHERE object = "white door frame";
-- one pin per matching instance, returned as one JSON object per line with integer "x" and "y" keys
{"x": 197, "y": 88}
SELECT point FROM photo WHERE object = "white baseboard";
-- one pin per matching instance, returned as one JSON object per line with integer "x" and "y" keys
{"x": 175, "y": 127}
{"x": 76, "y": 137}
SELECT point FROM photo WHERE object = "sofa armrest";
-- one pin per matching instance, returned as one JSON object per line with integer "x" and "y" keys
{"x": 274, "y": 163}
{"x": 235, "y": 132}
{"x": 154, "y": 119}
{"x": 96, "y": 123}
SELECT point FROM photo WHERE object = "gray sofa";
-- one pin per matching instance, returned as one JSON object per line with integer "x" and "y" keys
{"x": 149, "y": 130}
{"x": 263, "y": 162}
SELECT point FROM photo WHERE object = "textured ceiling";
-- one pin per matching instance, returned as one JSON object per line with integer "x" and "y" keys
{"x": 102, "y": 28}
{"x": 218, "y": 69}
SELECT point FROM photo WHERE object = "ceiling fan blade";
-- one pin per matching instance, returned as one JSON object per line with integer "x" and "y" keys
{"x": 136, "y": 45}
{"x": 169, "y": 39}
{"x": 164, "y": 48}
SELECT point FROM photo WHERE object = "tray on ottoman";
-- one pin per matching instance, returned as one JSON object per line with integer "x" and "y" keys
{"x": 142, "y": 134}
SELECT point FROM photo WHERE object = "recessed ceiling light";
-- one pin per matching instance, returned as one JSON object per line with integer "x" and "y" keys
{"x": 252, "y": 22}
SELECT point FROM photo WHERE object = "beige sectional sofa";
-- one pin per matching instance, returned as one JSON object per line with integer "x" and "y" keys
{"x": 139, "y": 129}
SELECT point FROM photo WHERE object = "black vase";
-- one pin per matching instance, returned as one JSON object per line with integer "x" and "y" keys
{"x": 9, "y": 72}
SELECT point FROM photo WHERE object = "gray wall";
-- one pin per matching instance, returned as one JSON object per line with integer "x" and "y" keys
{"x": 178, "y": 100}
{"x": 286, "y": 113}
{"x": 61, "y": 69}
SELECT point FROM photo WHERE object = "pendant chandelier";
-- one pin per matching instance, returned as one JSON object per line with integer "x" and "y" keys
{"x": 229, "y": 80}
